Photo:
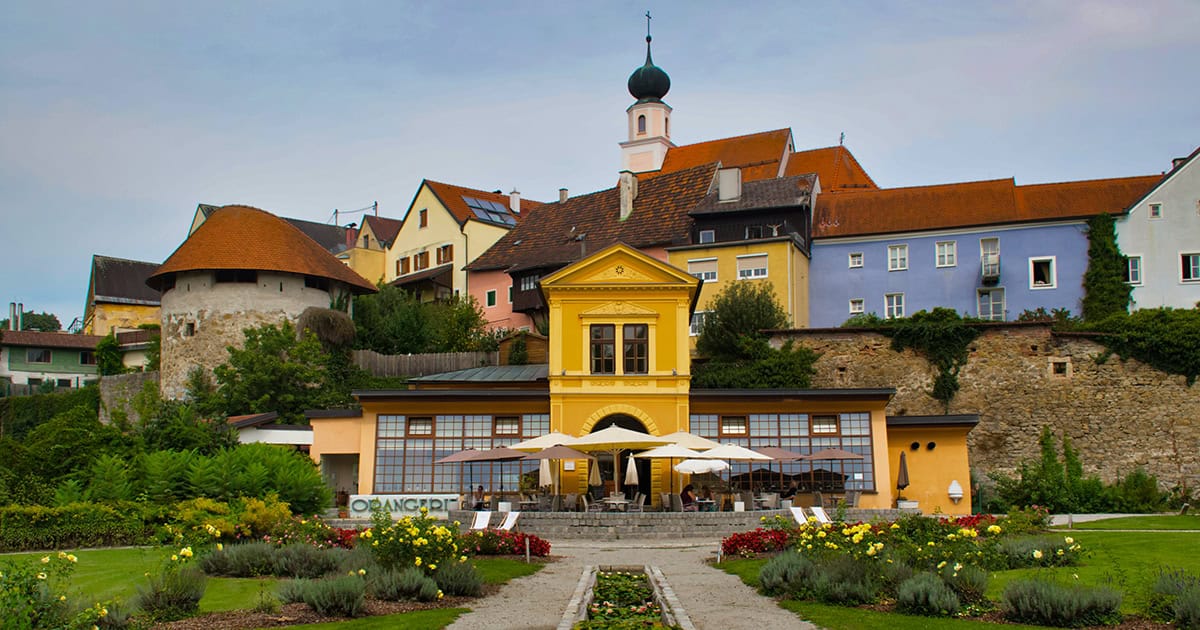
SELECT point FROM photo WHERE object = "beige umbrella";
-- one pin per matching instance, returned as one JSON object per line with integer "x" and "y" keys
{"x": 558, "y": 452}
{"x": 544, "y": 441}
{"x": 691, "y": 440}
{"x": 545, "y": 476}
{"x": 735, "y": 453}
{"x": 615, "y": 439}
{"x": 670, "y": 452}
{"x": 594, "y": 474}
{"x": 631, "y": 476}
{"x": 699, "y": 466}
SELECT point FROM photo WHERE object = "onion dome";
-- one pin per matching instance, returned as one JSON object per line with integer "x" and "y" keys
{"x": 649, "y": 83}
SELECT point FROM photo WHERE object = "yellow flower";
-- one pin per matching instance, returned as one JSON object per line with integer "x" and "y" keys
{"x": 220, "y": 547}
{"x": 103, "y": 612}
{"x": 45, "y": 559}
{"x": 462, "y": 559}
{"x": 366, "y": 533}
{"x": 62, "y": 598}
{"x": 1069, "y": 540}
{"x": 958, "y": 566}
{"x": 440, "y": 594}
{"x": 174, "y": 558}
{"x": 41, "y": 575}
{"x": 71, "y": 558}
{"x": 930, "y": 543}
{"x": 62, "y": 555}
{"x": 432, "y": 567}
{"x": 186, "y": 552}
{"x": 1059, "y": 552}
{"x": 994, "y": 529}
{"x": 871, "y": 551}
{"x": 417, "y": 561}
{"x": 362, "y": 571}
{"x": 895, "y": 526}
{"x": 1037, "y": 554}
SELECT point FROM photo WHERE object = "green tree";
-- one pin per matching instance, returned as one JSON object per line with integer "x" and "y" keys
{"x": 44, "y": 322}
{"x": 68, "y": 443}
{"x": 458, "y": 325}
{"x": 275, "y": 371}
{"x": 391, "y": 322}
{"x": 737, "y": 315}
{"x": 789, "y": 367}
{"x": 1105, "y": 291}
{"x": 518, "y": 353}
{"x": 108, "y": 356}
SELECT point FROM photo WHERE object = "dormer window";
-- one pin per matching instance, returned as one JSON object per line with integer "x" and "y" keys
{"x": 641, "y": 125}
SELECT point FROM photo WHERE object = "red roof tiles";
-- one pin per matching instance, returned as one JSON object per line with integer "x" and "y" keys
{"x": 240, "y": 237}
{"x": 758, "y": 154}
{"x": 451, "y": 196}
{"x": 36, "y": 339}
{"x": 836, "y": 167}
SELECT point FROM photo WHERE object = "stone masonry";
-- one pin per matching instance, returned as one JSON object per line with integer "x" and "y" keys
{"x": 1119, "y": 415}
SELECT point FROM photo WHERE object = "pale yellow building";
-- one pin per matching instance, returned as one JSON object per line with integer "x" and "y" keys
{"x": 118, "y": 298}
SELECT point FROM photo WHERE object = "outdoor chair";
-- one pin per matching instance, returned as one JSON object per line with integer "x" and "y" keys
{"x": 591, "y": 506}
{"x": 818, "y": 500}
{"x": 748, "y": 499}
{"x": 571, "y": 503}
{"x": 639, "y": 503}
{"x": 676, "y": 503}
{"x": 481, "y": 520}
{"x": 510, "y": 521}
{"x": 494, "y": 503}
{"x": 798, "y": 514}
{"x": 771, "y": 501}
{"x": 545, "y": 503}
{"x": 851, "y": 498}
{"x": 821, "y": 515}
{"x": 665, "y": 498}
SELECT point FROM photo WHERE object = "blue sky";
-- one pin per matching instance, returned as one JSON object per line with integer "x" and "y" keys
{"x": 117, "y": 118}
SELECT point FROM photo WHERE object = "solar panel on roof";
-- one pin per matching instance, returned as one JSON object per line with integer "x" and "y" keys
{"x": 489, "y": 210}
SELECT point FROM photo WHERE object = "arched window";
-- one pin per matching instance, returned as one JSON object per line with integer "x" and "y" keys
{"x": 641, "y": 124}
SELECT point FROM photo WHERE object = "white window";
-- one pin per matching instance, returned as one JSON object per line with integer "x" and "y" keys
{"x": 947, "y": 253}
{"x": 506, "y": 425}
{"x": 824, "y": 424}
{"x": 733, "y": 425}
{"x": 989, "y": 256}
{"x": 856, "y": 260}
{"x": 1042, "y": 274}
{"x": 752, "y": 266}
{"x": 991, "y": 304}
{"x": 1189, "y": 267}
{"x": 857, "y": 305}
{"x": 1133, "y": 269}
{"x": 893, "y": 305}
{"x": 703, "y": 268}
{"x": 491, "y": 297}
{"x": 1156, "y": 211}
{"x": 697, "y": 323}
{"x": 897, "y": 257}
{"x": 708, "y": 236}
{"x": 529, "y": 283}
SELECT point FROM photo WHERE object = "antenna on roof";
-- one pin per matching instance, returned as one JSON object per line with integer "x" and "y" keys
{"x": 837, "y": 161}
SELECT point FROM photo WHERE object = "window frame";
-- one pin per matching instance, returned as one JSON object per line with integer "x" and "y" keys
{"x": 87, "y": 357}
{"x": 745, "y": 426}
{"x": 1194, "y": 272}
{"x": 489, "y": 298}
{"x": 445, "y": 254}
{"x": 496, "y": 420}
{"x": 812, "y": 424}
{"x": 1129, "y": 269}
{"x": 423, "y": 218}
{"x": 529, "y": 283}
{"x": 1003, "y": 304}
{"x": 707, "y": 236}
{"x": 753, "y": 271}
{"x": 29, "y": 355}
{"x": 635, "y": 349}
{"x": 704, "y": 274}
{"x": 893, "y": 302}
{"x": 754, "y": 232}
{"x": 862, "y": 306}
{"x": 1154, "y": 210}
{"x": 948, "y": 259}
{"x": 600, "y": 344}
{"x": 1052, "y": 262}
{"x": 983, "y": 254}
{"x": 897, "y": 256}
{"x": 409, "y": 421}
{"x": 855, "y": 260}
{"x": 696, "y": 323}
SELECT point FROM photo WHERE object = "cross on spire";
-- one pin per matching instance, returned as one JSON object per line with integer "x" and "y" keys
{"x": 648, "y": 25}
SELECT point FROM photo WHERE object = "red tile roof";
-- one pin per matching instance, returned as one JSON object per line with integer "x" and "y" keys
{"x": 836, "y": 166}
{"x": 550, "y": 235}
{"x": 758, "y": 154}
{"x": 385, "y": 229}
{"x": 241, "y": 237}
{"x": 451, "y": 196}
{"x": 969, "y": 204}
{"x": 36, "y": 339}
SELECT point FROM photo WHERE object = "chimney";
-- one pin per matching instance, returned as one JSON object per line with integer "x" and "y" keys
{"x": 562, "y": 195}
{"x": 628, "y": 193}
{"x": 514, "y": 201}
{"x": 351, "y": 234}
{"x": 1177, "y": 162}
{"x": 20, "y": 319}
{"x": 12, "y": 315}
{"x": 729, "y": 184}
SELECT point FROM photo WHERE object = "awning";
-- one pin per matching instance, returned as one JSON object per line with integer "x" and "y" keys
{"x": 441, "y": 275}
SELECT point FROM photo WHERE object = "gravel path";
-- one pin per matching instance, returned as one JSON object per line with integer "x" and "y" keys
{"x": 712, "y": 598}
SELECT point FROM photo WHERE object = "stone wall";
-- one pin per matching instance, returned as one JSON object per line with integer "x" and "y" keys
{"x": 1120, "y": 415}
{"x": 117, "y": 392}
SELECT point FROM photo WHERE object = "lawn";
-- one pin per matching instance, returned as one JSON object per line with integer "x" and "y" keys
{"x": 104, "y": 574}
{"x": 418, "y": 620}
{"x": 1127, "y": 560}
{"x": 1156, "y": 522}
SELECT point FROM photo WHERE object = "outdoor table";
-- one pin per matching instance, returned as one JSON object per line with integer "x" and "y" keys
{"x": 615, "y": 503}
{"x": 706, "y": 505}
{"x": 529, "y": 506}
{"x": 760, "y": 502}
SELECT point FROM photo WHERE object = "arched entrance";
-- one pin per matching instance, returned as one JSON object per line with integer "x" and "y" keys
{"x": 625, "y": 421}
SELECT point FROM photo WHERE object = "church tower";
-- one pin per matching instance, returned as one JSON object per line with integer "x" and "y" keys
{"x": 649, "y": 117}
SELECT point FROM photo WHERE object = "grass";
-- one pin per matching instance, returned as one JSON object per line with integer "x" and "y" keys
{"x": 1156, "y": 522}
{"x": 417, "y": 620}
{"x": 105, "y": 574}
{"x": 1128, "y": 561}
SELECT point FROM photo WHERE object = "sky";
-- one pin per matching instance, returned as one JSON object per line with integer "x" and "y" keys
{"x": 118, "y": 118}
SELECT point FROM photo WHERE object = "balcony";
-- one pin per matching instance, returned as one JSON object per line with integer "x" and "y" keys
{"x": 990, "y": 269}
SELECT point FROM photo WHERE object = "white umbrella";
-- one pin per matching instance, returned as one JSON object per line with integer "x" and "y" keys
{"x": 691, "y": 440}
{"x": 545, "y": 477}
{"x": 699, "y": 466}
{"x": 615, "y": 439}
{"x": 545, "y": 441}
{"x": 594, "y": 474}
{"x": 735, "y": 453}
{"x": 631, "y": 476}
{"x": 671, "y": 452}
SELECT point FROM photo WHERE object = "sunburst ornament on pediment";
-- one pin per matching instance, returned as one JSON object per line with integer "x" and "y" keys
{"x": 611, "y": 309}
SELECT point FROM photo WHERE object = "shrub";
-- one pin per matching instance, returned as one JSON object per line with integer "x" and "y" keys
{"x": 756, "y": 541}
{"x": 969, "y": 582}
{"x": 788, "y": 573}
{"x": 926, "y": 594}
{"x": 420, "y": 541}
{"x": 1041, "y": 551}
{"x": 173, "y": 593}
{"x": 409, "y": 583}
{"x": 263, "y": 517}
{"x": 1046, "y": 603}
{"x": 339, "y": 597}
{"x": 292, "y": 591}
{"x": 845, "y": 581}
{"x": 309, "y": 531}
{"x": 458, "y": 578}
{"x": 490, "y": 542}
{"x": 242, "y": 560}
{"x": 1187, "y": 609}
{"x": 69, "y": 526}
{"x": 29, "y": 591}
{"x": 1167, "y": 588}
{"x": 304, "y": 561}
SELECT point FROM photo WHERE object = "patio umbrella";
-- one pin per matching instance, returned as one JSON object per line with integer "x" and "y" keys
{"x": 670, "y": 452}
{"x": 631, "y": 476}
{"x": 758, "y": 475}
{"x": 902, "y": 476}
{"x": 691, "y": 440}
{"x": 615, "y": 439}
{"x": 498, "y": 454}
{"x": 545, "y": 476}
{"x": 558, "y": 452}
{"x": 832, "y": 455}
{"x": 594, "y": 474}
{"x": 461, "y": 456}
{"x": 544, "y": 441}
{"x": 780, "y": 455}
{"x": 735, "y": 453}
{"x": 700, "y": 466}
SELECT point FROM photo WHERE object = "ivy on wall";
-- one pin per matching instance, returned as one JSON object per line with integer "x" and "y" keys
{"x": 1105, "y": 292}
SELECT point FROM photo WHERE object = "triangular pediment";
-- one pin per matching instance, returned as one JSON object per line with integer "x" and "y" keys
{"x": 619, "y": 264}
{"x": 619, "y": 309}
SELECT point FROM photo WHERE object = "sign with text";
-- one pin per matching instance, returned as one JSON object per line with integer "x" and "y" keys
{"x": 361, "y": 505}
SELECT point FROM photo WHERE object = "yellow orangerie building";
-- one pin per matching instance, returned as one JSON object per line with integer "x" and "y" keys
{"x": 619, "y": 355}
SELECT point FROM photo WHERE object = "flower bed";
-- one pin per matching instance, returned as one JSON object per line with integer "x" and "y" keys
{"x": 495, "y": 542}
{"x": 622, "y": 599}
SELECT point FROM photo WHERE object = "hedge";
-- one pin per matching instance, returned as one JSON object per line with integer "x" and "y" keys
{"x": 35, "y": 527}
{"x": 21, "y": 414}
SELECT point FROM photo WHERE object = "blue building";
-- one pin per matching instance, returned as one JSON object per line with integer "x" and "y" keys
{"x": 988, "y": 249}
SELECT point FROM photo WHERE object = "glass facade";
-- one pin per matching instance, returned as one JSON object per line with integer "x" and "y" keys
{"x": 800, "y": 433}
{"x": 406, "y": 449}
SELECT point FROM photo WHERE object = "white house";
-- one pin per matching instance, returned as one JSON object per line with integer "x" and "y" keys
{"x": 1160, "y": 234}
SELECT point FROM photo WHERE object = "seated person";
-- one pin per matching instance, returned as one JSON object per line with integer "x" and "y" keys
{"x": 480, "y": 500}
{"x": 688, "y": 498}
{"x": 707, "y": 495}
{"x": 790, "y": 492}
